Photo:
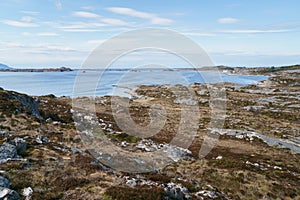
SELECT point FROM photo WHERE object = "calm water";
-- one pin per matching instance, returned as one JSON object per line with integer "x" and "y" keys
{"x": 103, "y": 83}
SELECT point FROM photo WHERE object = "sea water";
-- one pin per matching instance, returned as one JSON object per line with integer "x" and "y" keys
{"x": 100, "y": 83}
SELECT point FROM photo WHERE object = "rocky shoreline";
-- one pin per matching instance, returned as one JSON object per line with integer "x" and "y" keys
{"x": 42, "y": 155}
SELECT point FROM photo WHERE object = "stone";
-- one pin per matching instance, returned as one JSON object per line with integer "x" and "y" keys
{"x": 177, "y": 153}
{"x": 176, "y": 191}
{"x": 7, "y": 151}
{"x": 20, "y": 144}
{"x": 27, "y": 192}
{"x": 8, "y": 194}
{"x": 254, "y": 108}
{"x": 49, "y": 120}
{"x": 131, "y": 183}
{"x": 4, "y": 133}
{"x": 41, "y": 139}
{"x": 219, "y": 158}
{"x": 4, "y": 182}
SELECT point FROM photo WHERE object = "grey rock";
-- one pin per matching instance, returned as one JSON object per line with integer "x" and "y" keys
{"x": 132, "y": 182}
{"x": 8, "y": 151}
{"x": 203, "y": 92}
{"x": 8, "y": 194}
{"x": 49, "y": 120}
{"x": 4, "y": 182}
{"x": 294, "y": 106}
{"x": 27, "y": 192}
{"x": 41, "y": 139}
{"x": 293, "y": 145}
{"x": 4, "y": 133}
{"x": 177, "y": 153}
{"x": 254, "y": 108}
{"x": 176, "y": 191}
{"x": 29, "y": 103}
{"x": 186, "y": 101}
{"x": 20, "y": 144}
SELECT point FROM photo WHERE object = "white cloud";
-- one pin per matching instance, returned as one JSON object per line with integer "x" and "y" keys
{"x": 43, "y": 34}
{"x": 250, "y": 31}
{"x": 47, "y": 34}
{"x": 199, "y": 34}
{"x": 85, "y": 14}
{"x": 154, "y": 18}
{"x": 19, "y": 23}
{"x": 81, "y": 25}
{"x": 26, "y": 19}
{"x": 30, "y": 12}
{"x": 160, "y": 21}
{"x": 82, "y": 30}
{"x": 228, "y": 20}
{"x": 95, "y": 42}
{"x": 26, "y": 34}
{"x": 130, "y": 12}
{"x": 112, "y": 21}
{"x": 38, "y": 47}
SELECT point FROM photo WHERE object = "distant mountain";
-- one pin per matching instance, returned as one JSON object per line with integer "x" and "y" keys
{"x": 2, "y": 66}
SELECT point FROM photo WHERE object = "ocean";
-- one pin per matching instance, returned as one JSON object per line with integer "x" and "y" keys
{"x": 101, "y": 83}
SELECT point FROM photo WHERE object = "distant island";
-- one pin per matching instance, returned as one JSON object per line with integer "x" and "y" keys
{"x": 5, "y": 68}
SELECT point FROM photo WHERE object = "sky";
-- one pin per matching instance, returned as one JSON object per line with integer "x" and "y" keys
{"x": 55, "y": 33}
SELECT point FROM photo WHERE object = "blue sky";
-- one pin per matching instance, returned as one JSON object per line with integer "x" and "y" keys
{"x": 54, "y": 33}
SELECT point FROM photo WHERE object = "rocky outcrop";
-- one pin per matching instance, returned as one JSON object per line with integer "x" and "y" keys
{"x": 29, "y": 103}
{"x": 15, "y": 103}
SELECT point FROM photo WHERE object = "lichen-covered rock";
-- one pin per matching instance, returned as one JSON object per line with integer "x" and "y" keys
{"x": 176, "y": 191}
{"x": 27, "y": 192}
{"x": 20, "y": 144}
{"x": 29, "y": 103}
{"x": 41, "y": 139}
{"x": 4, "y": 182}
{"x": 8, "y": 194}
{"x": 7, "y": 151}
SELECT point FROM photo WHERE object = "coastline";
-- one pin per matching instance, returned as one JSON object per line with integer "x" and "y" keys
{"x": 61, "y": 69}
{"x": 241, "y": 165}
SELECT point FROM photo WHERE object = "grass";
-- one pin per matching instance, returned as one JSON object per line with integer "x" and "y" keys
{"x": 141, "y": 193}
{"x": 123, "y": 137}
{"x": 278, "y": 69}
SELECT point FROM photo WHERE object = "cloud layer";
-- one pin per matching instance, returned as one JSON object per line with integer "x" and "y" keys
{"x": 153, "y": 18}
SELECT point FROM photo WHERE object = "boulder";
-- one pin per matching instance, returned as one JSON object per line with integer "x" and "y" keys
{"x": 176, "y": 191}
{"x": 4, "y": 182}
{"x": 8, "y": 151}
{"x": 8, "y": 194}
{"x": 20, "y": 144}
